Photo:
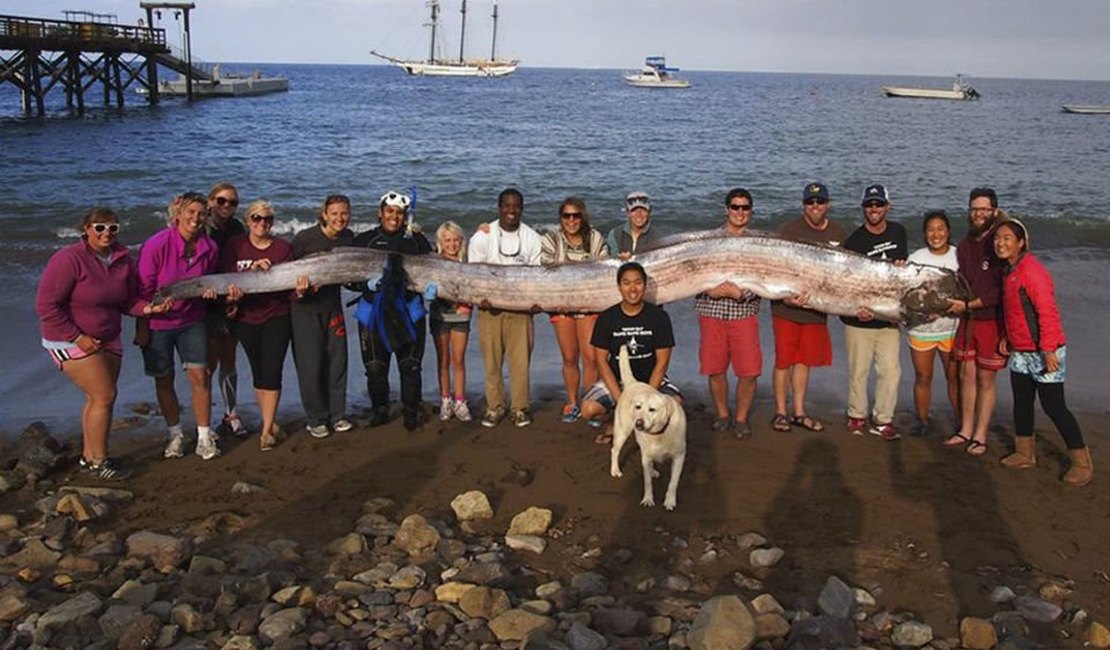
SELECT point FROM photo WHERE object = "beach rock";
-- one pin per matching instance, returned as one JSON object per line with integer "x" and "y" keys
{"x": 416, "y": 535}
{"x": 517, "y": 624}
{"x": 746, "y": 582}
{"x": 134, "y": 592}
{"x": 11, "y": 480}
{"x": 1010, "y": 624}
{"x": 243, "y": 487}
{"x": 114, "y": 621}
{"x": 723, "y": 623}
{"x": 8, "y": 522}
{"x": 977, "y": 634}
{"x": 484, "y": 602}
{"x": 912, "y": 634}
{"x": 241, "y": 642}
{"x": 864, "y": 598}
{"x": 451, "y": 592}
{"x": 589, "y": 584}
{"x": 676, "y": 582}
{"x": 84, "y": 604}
{"x": 1055, "y": 591}
{"x": 245, "y": 620}
{"x": 530, "y": 543}
{"x": 80, "y": 507}
{"x": 408, "y": 577}
{"x": 548, "y": 589}
{"x": 12, "y": 607}
{"x": 771, "y": 626}
{"x": 142, "y": 632}
{"x": 766, "y": 604}
{"x": 351, "y": 544}
{"x": 1001, "y": 595}
{"x": 580, "y": 637}
{"x": 35, "y": 555}
{"x": 1097, "y": 635}
{"x": 112, "y": 495}
{"x": 472, "y": 506}
{"x": 620, "y": 622}
{"x": 163, "y": 551}
{"x": 283, "y": 624}
{"x": 187, "y": 618}
{"x": 491, "y": 574}
{"x": 204, "y": 565}
{"x": 825, "y": 631}
{"x": 1036, "y": 609}
{"x": 533, "y": 521}
{"x": 39, "y": 452}
{"x": 836, "y": 599}
{"x": 660, "y": 625}
{"x": 750, "y": 540}
{"x": 763, "y": 558}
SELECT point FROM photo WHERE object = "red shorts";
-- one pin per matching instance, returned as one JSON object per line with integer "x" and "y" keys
{"x": 60, "y": 356}
{"x": 980, "y": 344}
{"x": 804, "y": 343}
{"x": 725, "y": 341}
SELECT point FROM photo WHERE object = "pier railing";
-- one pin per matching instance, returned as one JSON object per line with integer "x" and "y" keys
{"x": 18, "y": 32}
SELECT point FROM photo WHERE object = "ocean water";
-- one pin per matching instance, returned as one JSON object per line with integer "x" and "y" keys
{"x": 363, "y": 130}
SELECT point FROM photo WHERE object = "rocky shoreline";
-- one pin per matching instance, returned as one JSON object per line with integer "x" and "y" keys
{"x": 70, "y": 578}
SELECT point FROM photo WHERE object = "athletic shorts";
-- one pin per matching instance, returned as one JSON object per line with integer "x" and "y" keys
{"x": 979, "y": 343}
{"x": 734, "y": 342}
{"x": 555, "y": 318}
{"x": 925, "y": 345}
{"x": 599, "y": 393}
{"x": 804, "y": 343}
{"x": 438, "y": 327}
{"x": 74, "y": 352}
{"x": 266, "y": 345}
{"x": 191, "y": 343}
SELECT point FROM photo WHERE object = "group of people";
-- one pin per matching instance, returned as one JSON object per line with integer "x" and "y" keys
{"x": 86, "y": 288}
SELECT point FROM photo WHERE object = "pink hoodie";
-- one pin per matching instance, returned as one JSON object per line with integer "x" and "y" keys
{"x": 162, "y": 262}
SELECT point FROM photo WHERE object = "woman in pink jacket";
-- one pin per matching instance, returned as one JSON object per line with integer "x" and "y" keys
{"x": 84, "y": 290}
{"x": 1035, "y": 341}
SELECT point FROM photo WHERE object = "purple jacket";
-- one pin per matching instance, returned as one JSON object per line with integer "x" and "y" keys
{"x": 162, "y": 262}
{"x": 80, "y": 294}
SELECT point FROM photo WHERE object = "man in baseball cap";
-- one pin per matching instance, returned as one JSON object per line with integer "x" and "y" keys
{"x": 637, "y": 235}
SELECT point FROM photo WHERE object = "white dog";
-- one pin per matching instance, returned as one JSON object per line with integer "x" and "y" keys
{"x": 660, "y": 426}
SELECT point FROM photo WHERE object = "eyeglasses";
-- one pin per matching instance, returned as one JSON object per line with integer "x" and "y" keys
{"x": 501, "y": 250}
{"x": 982, "y": 210}
{"x": 816, "y": 201}
{"x": 571, "y": 215}
{"x": 262, "y": 218}
{"x": 874, "y": 204}
{"x": 224, "y": 201}
{"x": 740, "y": 207}
{"x": 99, "y": 228}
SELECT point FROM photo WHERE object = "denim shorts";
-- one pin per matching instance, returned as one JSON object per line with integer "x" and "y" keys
{"x": 191, "y": 343}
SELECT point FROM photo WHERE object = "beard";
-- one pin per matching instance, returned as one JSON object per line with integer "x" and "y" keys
{"x": 977, "y": 231}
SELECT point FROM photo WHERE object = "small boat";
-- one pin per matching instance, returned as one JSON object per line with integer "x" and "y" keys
{"x": 655, "y": 74}
{"x": 463, "y": 67}
{"x": 225, "y": 84}
{"x": 1087, "y": 110}
{"x": 960, "y": 90}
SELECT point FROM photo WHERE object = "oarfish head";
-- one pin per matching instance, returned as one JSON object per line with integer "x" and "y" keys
{"x": 929, "y": 299}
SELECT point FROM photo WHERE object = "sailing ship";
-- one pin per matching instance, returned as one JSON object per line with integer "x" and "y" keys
{"x": 463, "y": 67}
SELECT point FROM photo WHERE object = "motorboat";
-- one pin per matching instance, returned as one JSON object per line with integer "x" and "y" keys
{"x": 960, "y": 90}
{"x": 225, "y": 84}
{"x": 461, "y": 67}
{"x": 1086, "y": 110}
{"x": 655, "y": 74}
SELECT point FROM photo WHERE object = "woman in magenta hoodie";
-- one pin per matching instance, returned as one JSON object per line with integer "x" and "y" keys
{"x": 84, "y": 290}
{"x": 181, "y": 251}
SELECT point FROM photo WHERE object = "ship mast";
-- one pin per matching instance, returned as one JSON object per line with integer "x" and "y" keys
{"x": 462, "y": 35}
{"x": 493, "y": 42}
{"x": 434, "y": 4}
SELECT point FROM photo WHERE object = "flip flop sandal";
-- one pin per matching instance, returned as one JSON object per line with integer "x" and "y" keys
{"x": 976, "y": 448}
{"x": 604, "y": 438}
{"x": 720, "y": 424}
{"x": 595, "y": 424}
{"x": 742, "y": 430}
{"x": 780, "y": 422}
{"x": 807, "y": 423}
{"x": 956, "y": 440}
{"x": 267, "y": 443}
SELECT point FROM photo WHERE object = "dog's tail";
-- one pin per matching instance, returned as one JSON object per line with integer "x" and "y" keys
{"x": 626, "y": 367}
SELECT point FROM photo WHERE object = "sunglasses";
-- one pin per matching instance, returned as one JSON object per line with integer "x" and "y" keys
{"x": 99, "y": 228}
{"x": 740, "y": 206}
{"x": 223, "y": 201}
{"x": 571, "y": 215}
{"x": 874, "y": 204}
{"x": 816, "y": 201}
{"x": 259, "y": 218}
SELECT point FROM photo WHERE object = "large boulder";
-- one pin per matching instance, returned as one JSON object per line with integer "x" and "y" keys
{"x": 164, "y": 552}
{"x": 472, "y": 506}
{"x": 724, "y": 623}
{"x": 416, "y": 535}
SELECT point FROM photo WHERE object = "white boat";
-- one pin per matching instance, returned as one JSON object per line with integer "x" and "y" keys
{"x": 655, "y": 74}
{"x": 1087, "y": 110}
{"x": 960, "y": 90}
{"x": 225, "y": 84}
{"x": 462, "y": 67}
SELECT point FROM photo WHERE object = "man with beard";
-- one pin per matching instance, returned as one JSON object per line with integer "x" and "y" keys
{"x": 867, "y": 341}
{"x": 980, "y": 330}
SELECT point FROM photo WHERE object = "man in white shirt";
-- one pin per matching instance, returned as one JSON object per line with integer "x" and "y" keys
{"x": 503, "y": 333}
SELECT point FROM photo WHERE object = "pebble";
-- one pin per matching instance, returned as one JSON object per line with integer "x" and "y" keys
{"x": 766, "y": 557}
{"x": 472, "y": 506}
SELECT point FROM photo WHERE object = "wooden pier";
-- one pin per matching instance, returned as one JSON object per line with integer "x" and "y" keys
{"x": 38, "y": 55}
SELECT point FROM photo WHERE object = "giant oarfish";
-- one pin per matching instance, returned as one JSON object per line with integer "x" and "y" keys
{"x": 833, "y": 280}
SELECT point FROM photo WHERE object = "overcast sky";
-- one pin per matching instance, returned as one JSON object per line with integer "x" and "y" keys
{"x": 1053, "y": 39}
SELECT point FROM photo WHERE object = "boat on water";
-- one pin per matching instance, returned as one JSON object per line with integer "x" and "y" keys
{"x": 1086, "y": 110}
{"x": 461, "y": 67}
{"x": 960, "y": 90}
{"x": 655, "y": 74}
{"x": 225, "y": 84}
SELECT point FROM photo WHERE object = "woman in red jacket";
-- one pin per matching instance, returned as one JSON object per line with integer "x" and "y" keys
{"x": 1035, "y": 340}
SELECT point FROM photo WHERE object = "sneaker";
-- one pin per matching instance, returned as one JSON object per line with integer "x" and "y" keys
{"x": 233, "y": 425}
{"x": 521, "y": 418}
{"x": 857, "y": 426}
{"x": 107, "y": 470}
{"x": 446, "y": 408}
{"x": 493, "y": 417}
{"x": 342, "y": 425}
{"x": 571, "y": 413}
{"x": 319, "y": 430}
{"x": 175, "y": 448}
{"x": 462, "y": 411}
{"x": 411, "y": 421}
{"x": 207, "y": 449}
{"x": 885, "y": 431}
{"x": 379, "y": 417}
